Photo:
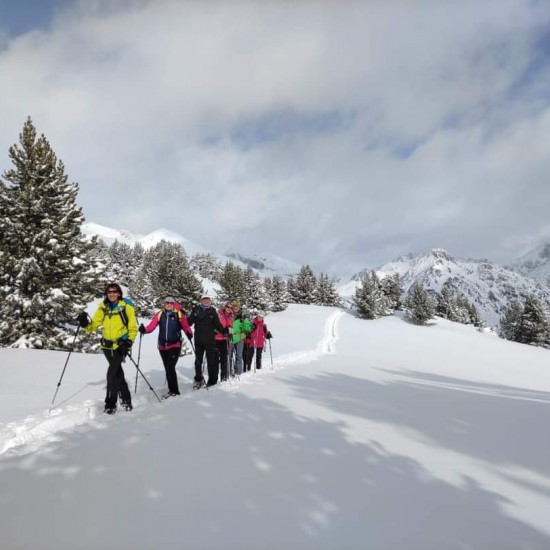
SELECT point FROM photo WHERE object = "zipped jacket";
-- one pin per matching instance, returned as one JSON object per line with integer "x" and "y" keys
{"x": 258, "y": 334}
{"x": 118, "y": 321}
{"x": 226, "y": 319}
{"x": 241, "y": 328}
{"x": 170, "y": 324}
{"x": 206, "y": 322}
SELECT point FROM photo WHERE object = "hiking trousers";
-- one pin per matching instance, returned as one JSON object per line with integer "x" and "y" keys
{"x": 116, "y": 383}
{"x": 169, "y": 359}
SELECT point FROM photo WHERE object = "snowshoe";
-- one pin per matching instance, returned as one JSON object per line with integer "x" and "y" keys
{"x": 169, "y": 394}
{"x": 199, "y": 384}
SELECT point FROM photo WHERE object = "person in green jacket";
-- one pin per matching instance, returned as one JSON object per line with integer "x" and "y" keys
{"x": 117, "y": 317}
{"x": 242, "y": 327}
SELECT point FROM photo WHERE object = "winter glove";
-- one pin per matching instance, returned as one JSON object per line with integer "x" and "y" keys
{"x": 268, "y": 336}
{"x": 142, "y": 329}
{"x": 83, "y": 319}
{"x": 124, "y": 344}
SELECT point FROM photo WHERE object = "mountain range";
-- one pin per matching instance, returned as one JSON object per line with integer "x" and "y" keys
{"x": 488, "y": 285}
{"x": 266, "y": 264}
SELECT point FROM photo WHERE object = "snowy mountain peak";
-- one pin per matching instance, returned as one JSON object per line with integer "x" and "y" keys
{"x": 266, "y": 264}
{"x": 535, "y": 264}
{"x": 489, "y": 286}
{"x": 441, "y": 254}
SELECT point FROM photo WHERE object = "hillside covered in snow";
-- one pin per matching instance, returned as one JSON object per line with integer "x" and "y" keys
{"x": 489, "y": 286}
{"x": 266, "y": 264}
{"x": 360, "y": 435}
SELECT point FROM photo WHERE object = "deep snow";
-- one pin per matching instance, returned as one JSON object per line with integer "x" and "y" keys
{"x": 366, "y": 434}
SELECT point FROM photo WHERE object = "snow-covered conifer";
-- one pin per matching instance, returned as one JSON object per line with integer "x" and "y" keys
{"x": 510, "y": 321}
{"x": 369, "y": 300}
{"x": 303, "y": 288}
{"x": 325, "y": 292}
{"x": 255, "y": 296}
{"x": 47, "y": 268}
{"x": 231, "y": 281}
{"x": 419, "y": 304}
{"x": 206, "y": 265}
{"x": 392, "y": 288}
{"x": 534, "y": 324}
{"x": 278, "y": 295}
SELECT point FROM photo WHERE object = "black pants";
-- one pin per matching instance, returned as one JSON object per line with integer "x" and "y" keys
{"x": 116, "y": 383}
{"x": 170, "y": 358}
{"x": 259, "y": 358}
{"x": 222, "y": 347}
{"x": 212, "y": 365}
{"x": 248, "y": 353}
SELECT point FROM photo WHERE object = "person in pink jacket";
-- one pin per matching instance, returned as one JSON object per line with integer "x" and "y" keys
{"x": 256, "y": 341}
{"x": 171, "y": 321}
{"x": 223, "y": 346}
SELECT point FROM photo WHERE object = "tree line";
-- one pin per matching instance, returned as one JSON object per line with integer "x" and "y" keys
{"x": 49, "y": 271}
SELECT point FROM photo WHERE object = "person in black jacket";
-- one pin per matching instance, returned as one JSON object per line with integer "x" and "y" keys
{"x": 206, "y": 321}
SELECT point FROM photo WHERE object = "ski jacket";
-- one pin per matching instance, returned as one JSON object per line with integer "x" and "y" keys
{"x": 226, "y": 319}
{"x": 170, "y": 324}
{"x": 118, "y": 321}
{"x": 241, "y": 328}
{"x": 259, "y": 333}
{"x": 206, "y": 323}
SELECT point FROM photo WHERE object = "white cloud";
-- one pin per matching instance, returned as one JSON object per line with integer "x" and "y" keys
{"x": 331, "y": 133}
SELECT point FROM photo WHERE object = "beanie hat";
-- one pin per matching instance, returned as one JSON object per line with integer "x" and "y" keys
{"x": 169, "y": 300}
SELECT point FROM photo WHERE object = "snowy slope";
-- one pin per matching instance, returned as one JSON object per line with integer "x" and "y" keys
{"x": 268, "y": 264}
{"x": 534, "y": 264}
{"x": 487, "y": 285}
{"x": 365, "y": 435}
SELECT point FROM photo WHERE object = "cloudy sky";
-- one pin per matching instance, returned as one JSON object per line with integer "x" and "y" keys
{"x": 339, "y": 134}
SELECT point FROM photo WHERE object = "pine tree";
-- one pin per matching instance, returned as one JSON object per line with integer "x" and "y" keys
{"x": 421, "y": 307}
{"x": 121, "y": 263}
{"x": 534, "y": 324}
{"x": 303, "y": 288}
{"x": 206, "y": 265}
{"x": 325, "y": 292}
{"x": 47, "y": 268}
{"x": 172, "y": 276}
{"x": 255, "y": 296}
{"x": 369, "y": 299}
{"x": 392, "y": 288}
{"x": 232, "y": 283}
{"x": 510, "y": 321}
{"x": 279, "y": 295}
{"x": 446, "y": 305}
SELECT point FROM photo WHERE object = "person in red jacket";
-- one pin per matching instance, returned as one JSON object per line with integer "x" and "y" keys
{"x": 222, "y": 340}
{"x": 171, "y": 321}
{"x": 256, "y": 340}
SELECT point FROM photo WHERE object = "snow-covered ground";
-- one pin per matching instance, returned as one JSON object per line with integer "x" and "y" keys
{"x": 365, "y": 434}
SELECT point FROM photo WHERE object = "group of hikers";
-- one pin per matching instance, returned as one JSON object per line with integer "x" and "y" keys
{"x": 228, "y": 338}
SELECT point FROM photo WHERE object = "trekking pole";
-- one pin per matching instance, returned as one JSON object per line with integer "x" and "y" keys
{"x": 192, "y": 346}
{"x": 270, "y": 354}
{"x": 139, "y": 370}
{"x": 139, "y": 355}
{"x": 64, "y": 367}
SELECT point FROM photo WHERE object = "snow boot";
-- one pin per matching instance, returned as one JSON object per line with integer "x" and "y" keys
{"x": 126, "y": 406}
{"x": 199, "y": 384}
{"x": 110, "y": 410}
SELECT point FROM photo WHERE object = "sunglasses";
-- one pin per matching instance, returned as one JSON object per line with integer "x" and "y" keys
{"x": 112, "y": 292}
{"x": 168, "y": 303}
